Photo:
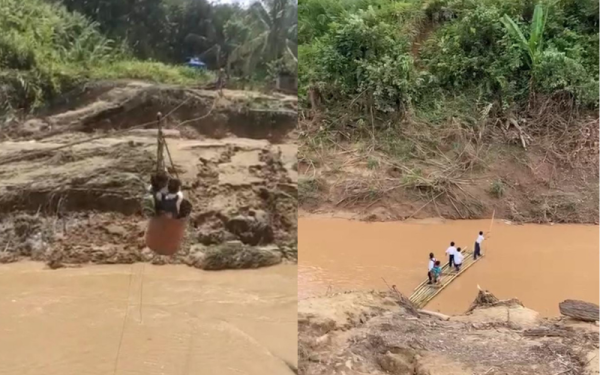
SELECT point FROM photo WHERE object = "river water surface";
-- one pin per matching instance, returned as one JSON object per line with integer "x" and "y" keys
{"x": 541, "y": 265}
{"x": 145, "y": 320}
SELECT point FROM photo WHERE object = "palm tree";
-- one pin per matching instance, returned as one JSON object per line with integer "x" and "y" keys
{"x": 217, "y": 35}
{"x": 273, "y": 34}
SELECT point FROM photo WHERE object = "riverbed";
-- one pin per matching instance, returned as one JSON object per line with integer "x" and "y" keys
{"x": 541, "y": 265}
{"x": 144, "y": 319}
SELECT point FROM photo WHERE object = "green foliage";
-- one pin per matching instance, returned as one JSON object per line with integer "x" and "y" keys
{"x": 309, "y": 189}
{"x": 46, "y": 50}
{"x": 150, "y": 71}
{"x": 414, "y": 55}
{"x": 365, "y": 54}
{"x": 49, "y": 46}
{"x": 271, "y": 37}
{"x": 245, "y": 40}
{"x": 474, "y": 51}
{"x": 497, "y": 189}
{"x": 533, "y": 45}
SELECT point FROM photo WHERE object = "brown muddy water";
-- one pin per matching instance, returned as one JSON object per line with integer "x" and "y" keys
{"x": 144, "y": 319}
{"x": 541, "y": 265}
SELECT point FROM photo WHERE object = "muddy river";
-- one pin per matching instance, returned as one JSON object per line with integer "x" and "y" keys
{"x": 539, "y": 264}
{"x": 144, "y": 319}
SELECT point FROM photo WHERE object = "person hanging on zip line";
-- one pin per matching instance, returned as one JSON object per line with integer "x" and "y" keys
{"x": 170, "y": 202}
{"x": 158, "y": 185}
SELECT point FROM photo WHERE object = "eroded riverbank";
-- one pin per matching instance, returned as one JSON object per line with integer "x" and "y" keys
{"x": 539, "y": 264}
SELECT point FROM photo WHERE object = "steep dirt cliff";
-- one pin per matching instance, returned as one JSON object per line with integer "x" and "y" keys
{"x": 72, "y": 177}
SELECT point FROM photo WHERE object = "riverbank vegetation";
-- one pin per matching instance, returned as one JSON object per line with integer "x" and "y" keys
{"x": 427, "y": 96}
{"x": 49, "y": 47}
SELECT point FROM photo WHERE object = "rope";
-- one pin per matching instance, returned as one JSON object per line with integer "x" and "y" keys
{"x": 23, "y": 156}
{"x": 170, "y": 158}
{"x": 159, "y": 145}
{"x": 201, "y": 117}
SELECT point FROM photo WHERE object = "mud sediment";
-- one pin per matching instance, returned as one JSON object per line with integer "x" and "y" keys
{"x": 356, "y": 333}
{"x": 82, "y": 203}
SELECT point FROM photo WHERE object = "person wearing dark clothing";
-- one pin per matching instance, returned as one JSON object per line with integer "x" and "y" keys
{"x": 478, "y": 241}
{"x": 171, "y": 202}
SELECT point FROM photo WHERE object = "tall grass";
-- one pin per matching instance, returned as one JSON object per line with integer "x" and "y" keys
{"x": 46, "y": 50}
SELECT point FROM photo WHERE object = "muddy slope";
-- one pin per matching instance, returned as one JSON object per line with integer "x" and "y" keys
{"x": 127, "y": 104}
{"x": 67, "y": 200}
{"x": 454, "y": 173}
{"x": 369, "y": 333}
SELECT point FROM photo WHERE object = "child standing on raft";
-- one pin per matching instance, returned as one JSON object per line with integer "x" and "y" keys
{"x": 458, "y": 259}
{"x": 432, "y": 261}
{"x": 437, "y": 272}
{"x": 450, "y": 252}
{"x": 478, "y": 241}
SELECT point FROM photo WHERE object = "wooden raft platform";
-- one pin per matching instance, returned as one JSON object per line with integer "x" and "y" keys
{"x": 425, "y": 292}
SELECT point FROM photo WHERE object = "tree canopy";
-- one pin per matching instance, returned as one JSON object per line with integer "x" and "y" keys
{"x": 418, "y": 52}
{"x": 171, "y": 31}
{"x": 49, "y": 46}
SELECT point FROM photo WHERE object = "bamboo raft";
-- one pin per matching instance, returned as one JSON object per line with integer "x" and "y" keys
{"x": 425, "y": 292}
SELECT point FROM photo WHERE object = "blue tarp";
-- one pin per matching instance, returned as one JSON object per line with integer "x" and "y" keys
{"x": 196, "y": 63}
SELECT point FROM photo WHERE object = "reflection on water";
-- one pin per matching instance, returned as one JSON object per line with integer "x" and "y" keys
{"x": 146, "y": 320}
{"x": 539, "y": 264}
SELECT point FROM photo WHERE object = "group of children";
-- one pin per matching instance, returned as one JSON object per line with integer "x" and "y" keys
{"x": 455, "y": 259}
{"x": 165, "y": 197}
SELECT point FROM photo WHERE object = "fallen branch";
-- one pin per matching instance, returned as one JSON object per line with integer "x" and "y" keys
{"x": 548, "y": 332}
{"x": 580, "y": 310}
{"x": 435, "y": 314}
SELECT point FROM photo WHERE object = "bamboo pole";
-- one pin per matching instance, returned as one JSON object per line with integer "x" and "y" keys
{"x": 491, "y": 225}
{"x": 444, "y": 267}
{"x": 449, "y": 281}
{"x": 424, "y": 293}
{"x": 423, "y": 290}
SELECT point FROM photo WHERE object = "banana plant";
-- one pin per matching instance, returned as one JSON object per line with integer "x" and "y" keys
{"x": 534, "y": 45}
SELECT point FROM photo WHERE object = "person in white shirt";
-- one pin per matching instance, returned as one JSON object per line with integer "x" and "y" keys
{"x": 478, "y": 241}
{"x": 450, "y": 252}
{"x": 430, "y": 268}
{"x": 458, "y": 259}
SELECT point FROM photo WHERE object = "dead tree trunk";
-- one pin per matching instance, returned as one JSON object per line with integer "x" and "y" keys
{"x": 579, "y": 310}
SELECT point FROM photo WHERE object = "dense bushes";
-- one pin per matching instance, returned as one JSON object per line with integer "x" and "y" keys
{"x": 48, "y": 46}
{"x": 46, "y": 50}
{"x": 247, "y": 39}
{"x": 418, "y": 52}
